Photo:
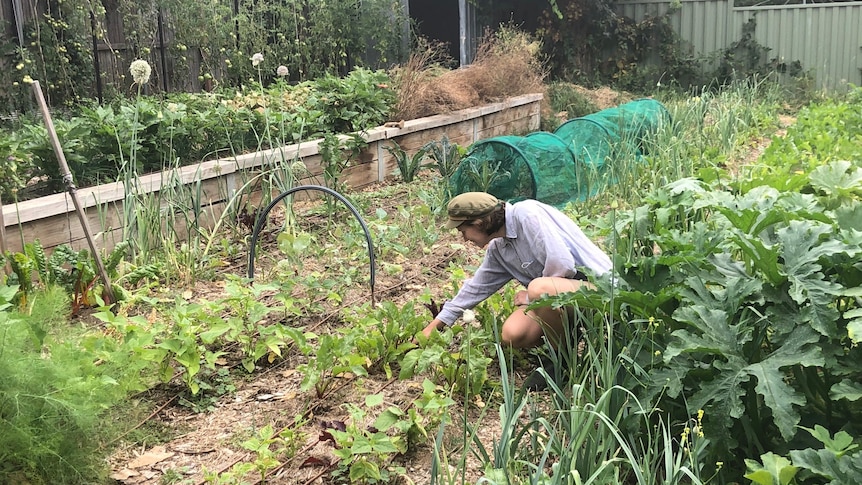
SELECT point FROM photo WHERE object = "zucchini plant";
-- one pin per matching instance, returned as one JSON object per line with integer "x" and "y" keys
{"x": 755, "y": 302}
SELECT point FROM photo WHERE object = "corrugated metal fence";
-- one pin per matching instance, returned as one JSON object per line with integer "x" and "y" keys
{"x": 826, "y": 38}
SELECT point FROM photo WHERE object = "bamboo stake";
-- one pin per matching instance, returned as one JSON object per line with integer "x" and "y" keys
{"x": 70, "y": 187}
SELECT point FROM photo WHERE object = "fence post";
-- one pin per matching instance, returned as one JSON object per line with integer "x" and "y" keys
{"x": 162, "y": 48}
{"x": 96, "y": 65}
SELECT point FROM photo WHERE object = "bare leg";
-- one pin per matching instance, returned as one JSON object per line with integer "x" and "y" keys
{"x": 525, "y": 329}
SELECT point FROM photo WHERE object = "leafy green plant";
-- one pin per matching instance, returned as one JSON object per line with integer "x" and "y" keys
{"x": 354, "y": 102}
{"x": 775, "y": 470}
{"x": 269, "y": 447}
{"x": 484, "y": 175}
{"x": 75, "y": 271}
{"x": 446, "y": 156}
{"x": 747, "y": 328}
{"x": 184, "y": 348}
{"x": 244, "y": 323}
{"x": 364, "y": 452}
{"x": 261, "y": 444}
{"x": 837, "y": 461}
{"x": 332, "y": 357}
{"x": 212, "y": 385}
{"x": 462, "y": 371}
{"x": 408, "y": 166}
{"x": 385, "y": 333}
{"x": 335, "y": 160}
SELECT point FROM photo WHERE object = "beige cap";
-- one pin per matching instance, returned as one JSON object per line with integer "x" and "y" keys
{"x": 469, "y": 206}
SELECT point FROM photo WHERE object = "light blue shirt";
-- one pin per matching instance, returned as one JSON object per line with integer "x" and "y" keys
{"x": 540, "y": 241}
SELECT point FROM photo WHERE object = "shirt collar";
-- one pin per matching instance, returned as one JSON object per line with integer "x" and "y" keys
{"x": 511, "y": 227}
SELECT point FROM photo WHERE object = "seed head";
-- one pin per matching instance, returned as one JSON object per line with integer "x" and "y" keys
{"x": 140, "y": 71}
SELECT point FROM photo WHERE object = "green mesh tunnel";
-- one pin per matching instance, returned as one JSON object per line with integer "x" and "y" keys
{"x": 537, "y": 166}
{"x": 568, "y": 165}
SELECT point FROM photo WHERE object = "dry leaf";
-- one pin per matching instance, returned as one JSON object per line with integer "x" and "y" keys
{"x": 155, "y": 455}
{"x": 124, "y": 474}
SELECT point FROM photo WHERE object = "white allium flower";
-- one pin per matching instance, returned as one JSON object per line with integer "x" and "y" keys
{"x": 140, "y": 71}
{"x": 256, "y": 59}
{"x": 298, "y": 167}
{"x": 469, "y": 316}
{"x": 282, "y": 71}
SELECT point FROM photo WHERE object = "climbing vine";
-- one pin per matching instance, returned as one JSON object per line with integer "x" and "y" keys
{"x": 55, "y": 49}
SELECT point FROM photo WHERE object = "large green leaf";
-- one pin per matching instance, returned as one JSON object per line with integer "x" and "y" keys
{"x": 799, "y": 349}
{"x": 840, "y": 444}
{"x": 711, "y": 332}
{"x": 711, "y": 314}
{"x": 802, "y": 245}
{"x": 752, "y": 221}
{"x": 761, "y": 257}
{"x": 840, "y": 470}
{"x": 837, "y": 178}
{"x": 849, "y": 215}
{"x": 718, "y": 386}
{"x": 854, "y": 325}
{"x": 846, "y": 389}
{"x": 822, "y": 318}
{"x": 776, "y": 470}
{"x": 721, "y": 397}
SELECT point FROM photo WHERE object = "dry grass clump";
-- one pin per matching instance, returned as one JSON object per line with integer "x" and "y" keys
{"x": 506, "y": 65}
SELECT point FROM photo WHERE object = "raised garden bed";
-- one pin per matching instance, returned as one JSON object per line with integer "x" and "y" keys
{"x": 52, "y": 220}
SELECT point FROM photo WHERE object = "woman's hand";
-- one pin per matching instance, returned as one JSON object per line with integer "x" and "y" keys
{"x": 429, "y": 329}
{"x": 521, "y": 298}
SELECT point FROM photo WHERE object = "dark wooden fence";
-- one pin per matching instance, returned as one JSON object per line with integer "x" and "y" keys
{"x": 109, "y": 51}
{"x": 105, "y": 47}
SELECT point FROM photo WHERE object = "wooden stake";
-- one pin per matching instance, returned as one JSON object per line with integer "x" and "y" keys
{"x": 70, "y": 187}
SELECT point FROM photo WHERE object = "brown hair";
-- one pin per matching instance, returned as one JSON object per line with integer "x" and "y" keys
{"x": 491, "y": 222}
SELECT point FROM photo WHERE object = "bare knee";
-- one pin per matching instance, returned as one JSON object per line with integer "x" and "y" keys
{"x": 520, "y": 331}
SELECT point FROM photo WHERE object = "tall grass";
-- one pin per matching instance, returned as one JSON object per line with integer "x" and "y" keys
{"x": 712, "y": 130}
{"x": 591, "y": 428}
